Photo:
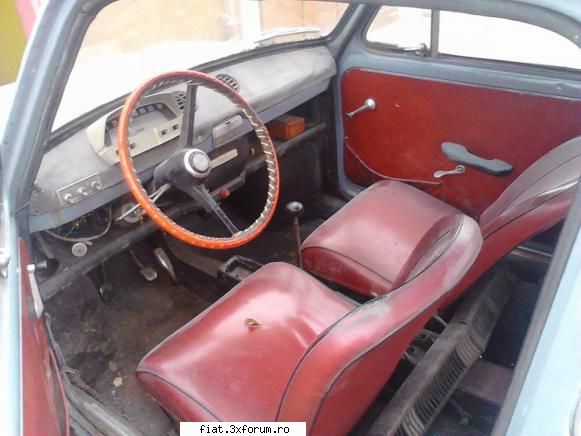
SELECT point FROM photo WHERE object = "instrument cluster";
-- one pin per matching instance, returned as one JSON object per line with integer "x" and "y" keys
{"x": 156, "y": 121}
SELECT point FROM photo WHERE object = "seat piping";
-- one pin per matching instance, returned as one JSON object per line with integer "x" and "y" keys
{"x": 170, "y": 384}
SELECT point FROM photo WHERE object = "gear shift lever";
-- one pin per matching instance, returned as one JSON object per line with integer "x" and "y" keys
{"x": 296, "y": 209}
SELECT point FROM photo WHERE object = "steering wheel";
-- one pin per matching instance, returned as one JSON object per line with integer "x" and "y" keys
{"x": 188, "y": 167}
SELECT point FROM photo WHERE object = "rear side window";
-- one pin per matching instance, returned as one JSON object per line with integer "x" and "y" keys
{"x": 472, "y": 36}
{"x": 505, "y": 40}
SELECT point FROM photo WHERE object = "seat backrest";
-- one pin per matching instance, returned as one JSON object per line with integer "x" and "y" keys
{"x": 537, "y": 200}
{"x": 553, "y": 174}
{"x": 346, "y": 367}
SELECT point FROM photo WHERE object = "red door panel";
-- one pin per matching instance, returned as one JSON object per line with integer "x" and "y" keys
{"x": 403, "y": 136}
{"x": 44, "y": 410}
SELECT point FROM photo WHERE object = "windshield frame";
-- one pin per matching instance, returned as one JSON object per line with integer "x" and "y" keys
{"x": 69, "y": 128}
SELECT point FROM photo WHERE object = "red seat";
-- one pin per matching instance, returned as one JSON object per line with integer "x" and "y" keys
{"x": 219, "y": 368}
{"x": 379, "y": 239}
{"x": 353, "y": 247}
{"x": 281, "y": 346}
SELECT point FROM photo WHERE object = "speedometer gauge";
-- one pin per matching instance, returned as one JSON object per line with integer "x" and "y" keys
{"x": 156, "y": 121}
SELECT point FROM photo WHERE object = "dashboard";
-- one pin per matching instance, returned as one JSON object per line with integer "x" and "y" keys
{"x": 81, "y": 174}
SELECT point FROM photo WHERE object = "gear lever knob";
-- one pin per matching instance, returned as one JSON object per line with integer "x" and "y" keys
{"x": 296, "y": 209}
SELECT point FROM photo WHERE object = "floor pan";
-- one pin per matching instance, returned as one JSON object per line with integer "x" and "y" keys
{"x": 106, "y": 341}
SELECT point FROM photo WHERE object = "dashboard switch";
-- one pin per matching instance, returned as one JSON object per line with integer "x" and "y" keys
{"x": 79, "y": 190}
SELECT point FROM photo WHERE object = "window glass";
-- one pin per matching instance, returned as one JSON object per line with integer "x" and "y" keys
{"x": 132, "y": 40}
{"x": 401, "y": 27}
{"x": 506, "y": 40}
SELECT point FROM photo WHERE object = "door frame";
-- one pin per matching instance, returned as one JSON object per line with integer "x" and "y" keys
{"x": 500, "y": 75}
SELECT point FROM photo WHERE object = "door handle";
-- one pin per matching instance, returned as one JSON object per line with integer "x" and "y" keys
{"x": 460, "y": 154}
{"x": 369, "y": 105}
{"x": 460, "y": 169}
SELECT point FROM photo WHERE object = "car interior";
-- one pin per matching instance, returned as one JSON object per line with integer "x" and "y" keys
{"x": 338, "y": 231}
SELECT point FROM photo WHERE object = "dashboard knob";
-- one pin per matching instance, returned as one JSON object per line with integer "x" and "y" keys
{"x": 79, "y": 249}
{"x": 83, "y": 191}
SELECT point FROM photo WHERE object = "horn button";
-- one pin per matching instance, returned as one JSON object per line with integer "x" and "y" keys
{"x": 197, "y": 163}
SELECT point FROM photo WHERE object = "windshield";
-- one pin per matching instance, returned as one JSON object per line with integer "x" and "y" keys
{"x": 132, "y": 40}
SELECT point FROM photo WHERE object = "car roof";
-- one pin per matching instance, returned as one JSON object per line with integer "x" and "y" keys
{"x": 569, "y": 8}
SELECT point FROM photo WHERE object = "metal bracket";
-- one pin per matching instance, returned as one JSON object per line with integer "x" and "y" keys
{"x": 4, "y": 247}
{"x": 37, "y": 302}
{"x": 4, "y": 262}
{"x": 419, "y": 50}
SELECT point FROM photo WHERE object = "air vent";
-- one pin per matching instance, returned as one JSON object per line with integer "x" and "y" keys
{"x": 180, "y": 98}
{"x": 229, "y": 80}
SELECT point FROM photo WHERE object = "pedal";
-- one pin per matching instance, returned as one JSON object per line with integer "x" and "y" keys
{"x": 105, "y": 287}
{"x": 148, "y": 272}
{"x": 165, "y": 262}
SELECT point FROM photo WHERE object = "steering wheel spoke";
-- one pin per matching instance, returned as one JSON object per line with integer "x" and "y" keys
{"x": 186, "y": 139}
{"x": 205, "y": 199}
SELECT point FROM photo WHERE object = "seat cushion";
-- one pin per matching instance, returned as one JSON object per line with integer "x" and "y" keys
{"x": 234, "y": 361}
{"x": 380, "y": 239}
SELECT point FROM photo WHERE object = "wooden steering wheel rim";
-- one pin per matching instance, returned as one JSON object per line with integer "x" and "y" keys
{"x": 142, "y": 197}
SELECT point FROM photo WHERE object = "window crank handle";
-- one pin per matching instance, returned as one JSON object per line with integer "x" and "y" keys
{"x": 460, "y": 169}
{"x": 369, "y": 105}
